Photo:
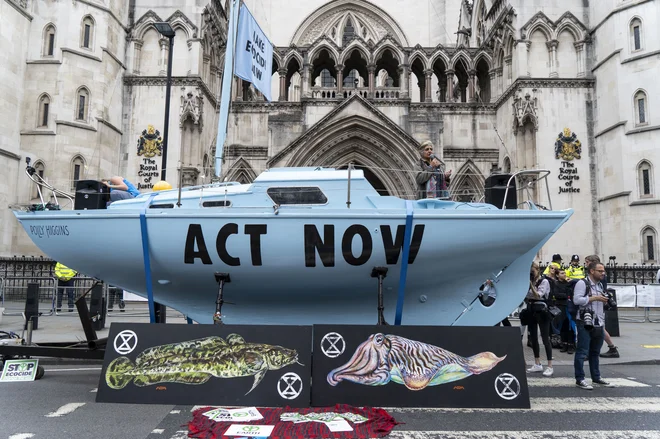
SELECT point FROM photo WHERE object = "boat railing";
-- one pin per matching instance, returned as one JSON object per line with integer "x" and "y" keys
{"x": 533, "y": 176}
{"x": 32, "y": 174}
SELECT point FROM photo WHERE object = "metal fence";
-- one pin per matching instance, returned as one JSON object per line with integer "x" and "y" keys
{"x": 625, "y": 273}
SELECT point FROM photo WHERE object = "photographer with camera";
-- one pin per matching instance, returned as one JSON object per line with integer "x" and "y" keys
{"x": 589, "y": 297}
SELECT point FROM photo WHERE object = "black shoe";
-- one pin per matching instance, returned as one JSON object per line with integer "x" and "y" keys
{"x": 70, "y": 309}
{"x": 602, "y": 382}
{"x": 109, "y": 309}
{"x": 58, "y": 310}
{"x": 122, "y": 305}
{"x": 529, "y": 343}
{"x": 564, "y": 347}
{"x": 613, "y": 352}
{"x": 571, "y": 349}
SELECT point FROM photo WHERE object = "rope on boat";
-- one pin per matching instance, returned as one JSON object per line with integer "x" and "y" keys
{"x": 147, "y": 259}
{"x": 404, "y": 262}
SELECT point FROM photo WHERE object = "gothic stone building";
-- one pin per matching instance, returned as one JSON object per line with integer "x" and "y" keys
{"x": 500, "y": 85}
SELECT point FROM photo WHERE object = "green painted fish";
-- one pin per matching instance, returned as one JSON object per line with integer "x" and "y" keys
{"x": 196, "y": 361}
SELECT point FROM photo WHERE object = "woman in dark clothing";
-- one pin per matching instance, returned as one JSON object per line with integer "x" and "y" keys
{"x": 562, "y": 293}
{"x": 537, "y": 297}
{"x": 432, "y": 180}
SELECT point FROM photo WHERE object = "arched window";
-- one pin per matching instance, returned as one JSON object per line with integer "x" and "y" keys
{"x": 87, "y": 32}
{"x": 649, "y": 245}
{"x": 506, "y": 166}
{"x": 40, "y": 169}
{"x": 641, "y": 108}
{"x": 635, "y": 35}
{"x": 49, "y": 41}
{"x": 44, "y": 109}
{"x": 82, "y": 104}
{"x": 349, "y": 33}
{"x": 645, "y": 177}
{"x": 77, "y": 171}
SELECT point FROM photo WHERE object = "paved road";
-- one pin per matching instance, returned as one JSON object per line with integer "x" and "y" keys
{"x": 62, "y": 406}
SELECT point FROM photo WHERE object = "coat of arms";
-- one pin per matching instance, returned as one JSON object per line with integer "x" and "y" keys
{"x": 567, "y": 146}
{"x": 150, "y": 143}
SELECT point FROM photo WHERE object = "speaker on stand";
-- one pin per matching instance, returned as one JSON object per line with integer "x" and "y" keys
{"x": 495, "y": 190}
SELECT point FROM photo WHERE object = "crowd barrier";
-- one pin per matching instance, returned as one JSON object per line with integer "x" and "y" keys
{"x": 638, "y": 303}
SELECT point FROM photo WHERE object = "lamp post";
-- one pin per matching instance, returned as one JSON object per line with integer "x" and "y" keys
{"x": 166, "y": 30}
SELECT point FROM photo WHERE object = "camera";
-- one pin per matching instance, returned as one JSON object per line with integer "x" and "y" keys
{"x": 587, "y": 317}
{"x": 611, "y": 303}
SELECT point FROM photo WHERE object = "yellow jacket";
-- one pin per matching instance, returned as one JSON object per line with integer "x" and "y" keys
{"x": 63, "y": 272}
{"x": 574, "y": 272}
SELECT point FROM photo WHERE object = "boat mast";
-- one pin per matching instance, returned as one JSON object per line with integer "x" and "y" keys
{"x": 227, "y": 81}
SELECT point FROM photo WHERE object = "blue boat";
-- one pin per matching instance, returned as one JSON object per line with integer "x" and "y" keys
{"x": 300, "y": 246}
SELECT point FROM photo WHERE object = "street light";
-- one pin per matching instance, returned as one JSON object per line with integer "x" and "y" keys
{"x": 166, "y": 30}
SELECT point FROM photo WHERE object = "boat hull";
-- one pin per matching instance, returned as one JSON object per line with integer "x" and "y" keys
{"x": 306, "y": 267}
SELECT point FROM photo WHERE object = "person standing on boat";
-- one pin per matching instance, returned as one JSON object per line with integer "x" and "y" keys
{"x": 537, "y": 297}
{"x": 65, "y": 281}
{"x": 432, "y": 180}
{"x": 121, "y": 189}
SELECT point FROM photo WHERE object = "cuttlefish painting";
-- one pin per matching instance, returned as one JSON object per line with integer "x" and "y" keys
{"x": 416, "y": 365}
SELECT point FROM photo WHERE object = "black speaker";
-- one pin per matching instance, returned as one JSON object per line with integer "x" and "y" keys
{"x": 612, "y": 317}
{"x": 495, "y": 189}
{"x": 91, "y": 194}
{"x": 97, "y": 307}
{"x": 32, "y": 305}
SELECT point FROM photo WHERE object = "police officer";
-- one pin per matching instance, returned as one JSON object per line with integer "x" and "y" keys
{"x": 65, "y": 280}
{"x": 575, "y": 270}
{"x": 556, "y": 263}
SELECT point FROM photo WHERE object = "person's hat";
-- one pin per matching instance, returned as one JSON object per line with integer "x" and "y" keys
{"x": 575, "y": 258}
{"x": 556, "y": 257}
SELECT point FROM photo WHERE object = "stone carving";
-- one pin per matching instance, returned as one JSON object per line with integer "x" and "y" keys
{"x": 192, "y": 107}
{"x": 524, "y": 108}
{"x": 326, "y": 24}
{"x": 189, "y": 176}
{"x": 567, "y": 146}
{"x": 150, "y": 143}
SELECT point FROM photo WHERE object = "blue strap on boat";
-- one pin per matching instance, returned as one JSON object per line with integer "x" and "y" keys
{"x": 147, "y": 259}
{"x": 404, "y": 262}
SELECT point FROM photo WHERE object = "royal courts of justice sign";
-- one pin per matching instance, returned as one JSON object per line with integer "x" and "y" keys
{"x": 254, "y": 54}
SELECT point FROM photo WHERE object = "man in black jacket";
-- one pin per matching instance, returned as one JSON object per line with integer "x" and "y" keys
{"x": 562, "y": 293}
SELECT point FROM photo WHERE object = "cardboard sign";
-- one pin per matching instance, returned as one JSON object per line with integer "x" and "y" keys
{"x": 207, "y": 364}
{"x": 19, "y": 370}
{"x": 419, "y": 366}
{"x": 249, "y": 430}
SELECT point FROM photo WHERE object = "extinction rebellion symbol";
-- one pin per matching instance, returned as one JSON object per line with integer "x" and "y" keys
{"x": 125, "y": 342}
{"x": 332, "y": 345}
{"x": 290, "y": 386}
{"x": 507, "y": 386}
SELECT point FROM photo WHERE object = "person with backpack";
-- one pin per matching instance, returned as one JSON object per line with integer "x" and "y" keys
{"x": 537, "y": 306}
{"x": 561, "y": 295}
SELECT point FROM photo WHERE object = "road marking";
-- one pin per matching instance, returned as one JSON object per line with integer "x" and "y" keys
{"x": 175, "y": 412}
{"x": 570, "y": 382}
{"x": 65, "y": 409}
{"x": 72, "y": 370}
{"x": 21, "y": 436}
{"x": 631, "y": 378}
{"x": 183, "y": 434}
{"x": 94, "y": 390}
{"x": 560, "y": 405}
{"x": 651, "y": 346}
{"x": 576, "y": 434}
{"x": 158, "y": 431}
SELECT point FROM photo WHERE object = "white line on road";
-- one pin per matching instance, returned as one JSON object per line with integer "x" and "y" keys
{"x": 560, "y": 405}
{"x": 570, "y": 382}
{"x": 94, "y": 390}
{"x": 72, "y": 370}
{"x": 183, "y": 434}
{"x": 65, "y": 409}
{"x": 576, "y": 434}
{"x": 158, "y": 431}
{"x": 175, "y": 412}
{"x": 21, "y": 436}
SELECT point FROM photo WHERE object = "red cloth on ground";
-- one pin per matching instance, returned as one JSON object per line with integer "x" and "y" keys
{"x": 380, "y": 424}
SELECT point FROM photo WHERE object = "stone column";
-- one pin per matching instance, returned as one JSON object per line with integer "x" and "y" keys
{"x": 282, "y": 73}
{"x": 371, "y": 68}
{"x": 582, "y": 68}
{"x": 306, "y": 80}
{"x": 339, "y": 69}
{"x": 552, "y": 49}
{"x": 206, "y": 69}
{"x": 239, "y": 89}
{"x": 195, "y": 47}
{"x": 522, "y": 50}
{"x": 492, "y": 74}
{"x": 500, "y": 81}
{"x": 472, "y": 76}
{"x": 134, "y": 63}
{"x": 428, "y": 86}
{"x": 507, "y": 72}
{"x": 404, "y": 81}
{"x": 164, "y": 48}
{"x": 450, "y": 85}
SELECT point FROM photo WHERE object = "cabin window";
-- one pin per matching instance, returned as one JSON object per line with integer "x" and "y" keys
{"x": 296, "y": 195}
{"x": 162, "y": 206}
{"x": 222, "y": 203}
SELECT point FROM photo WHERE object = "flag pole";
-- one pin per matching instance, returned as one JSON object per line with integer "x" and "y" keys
{"x": 227, "y": 80}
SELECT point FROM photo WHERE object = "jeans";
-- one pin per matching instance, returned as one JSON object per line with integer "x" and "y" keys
{"x": 63, "y": 285}
{"x": 588, "y": 346}
{"x": 117, "y": 195}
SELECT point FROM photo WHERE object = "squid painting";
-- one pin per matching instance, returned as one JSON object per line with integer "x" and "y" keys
{"x": 384, "y": 357}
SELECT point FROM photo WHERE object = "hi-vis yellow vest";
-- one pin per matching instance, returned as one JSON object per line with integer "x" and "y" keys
{"x": 63, "y": 272}
{"x": 575, "y": 272}
{"x": 547, "y": 269}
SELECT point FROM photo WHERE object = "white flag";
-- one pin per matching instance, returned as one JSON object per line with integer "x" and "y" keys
{"x": 254, "y": 54}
